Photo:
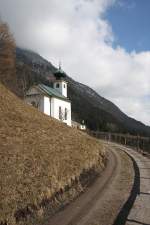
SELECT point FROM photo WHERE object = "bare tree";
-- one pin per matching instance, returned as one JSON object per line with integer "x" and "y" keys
{"x": 7, "y": 57}
{"x": 24, "y": 84}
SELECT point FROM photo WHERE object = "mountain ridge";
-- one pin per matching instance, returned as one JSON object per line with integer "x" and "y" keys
{"x": 86, "y": 103}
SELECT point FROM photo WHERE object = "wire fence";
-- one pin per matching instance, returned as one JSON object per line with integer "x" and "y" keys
{"x": 141, "y": 144}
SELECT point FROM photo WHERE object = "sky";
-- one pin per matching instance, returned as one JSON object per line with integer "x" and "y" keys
{"x": 130, "y": 22}
{"x": 101, "y": 43}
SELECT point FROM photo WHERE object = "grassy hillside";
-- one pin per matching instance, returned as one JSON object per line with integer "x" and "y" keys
{"x": 39, "y": 158}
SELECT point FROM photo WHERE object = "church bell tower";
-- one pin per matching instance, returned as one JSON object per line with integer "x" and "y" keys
{"x": 60, "y": 84}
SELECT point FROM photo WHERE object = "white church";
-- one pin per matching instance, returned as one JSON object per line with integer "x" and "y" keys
{"x": 52, "y": 101}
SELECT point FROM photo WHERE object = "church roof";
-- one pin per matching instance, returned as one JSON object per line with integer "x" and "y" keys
{"x": 51, "y": 92}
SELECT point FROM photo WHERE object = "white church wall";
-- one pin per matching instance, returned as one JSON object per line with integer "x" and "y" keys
{"x": 52, "y": 107}
{"x": 47, "y": 105}
{"x": 63, "y": 104}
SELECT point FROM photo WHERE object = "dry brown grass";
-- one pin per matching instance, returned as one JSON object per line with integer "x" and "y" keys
{"x": 38, "y": 155}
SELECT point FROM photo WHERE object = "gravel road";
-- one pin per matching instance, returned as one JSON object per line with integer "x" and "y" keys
{"x": 120, "y": 195}
{"x": 102, "y": 202}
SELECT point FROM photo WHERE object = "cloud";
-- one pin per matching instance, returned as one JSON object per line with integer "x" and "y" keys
{"x": 127, "y": 5}
{"x": 76, "y": 32}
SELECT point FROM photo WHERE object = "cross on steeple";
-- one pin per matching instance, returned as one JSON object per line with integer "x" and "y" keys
{"x": 60, "y": 65}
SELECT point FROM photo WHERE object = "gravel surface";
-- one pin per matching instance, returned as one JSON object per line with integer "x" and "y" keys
{"x": 101, "y": 202}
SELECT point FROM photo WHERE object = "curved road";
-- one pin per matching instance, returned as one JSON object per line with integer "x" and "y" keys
{"x": 121, "y": 195}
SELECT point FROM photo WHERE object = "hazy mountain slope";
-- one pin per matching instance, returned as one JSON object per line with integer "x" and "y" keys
{"x": 105, "y": 109}
{"x": 39, "y": 157}
{"x": 98, "y": 112}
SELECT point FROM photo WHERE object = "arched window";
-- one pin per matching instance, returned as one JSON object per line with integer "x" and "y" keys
{"x": 60, "y": 113}
{"x": 66, "y": 113}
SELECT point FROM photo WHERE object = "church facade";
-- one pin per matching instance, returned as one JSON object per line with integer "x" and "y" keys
{"x": 52, "y": 101}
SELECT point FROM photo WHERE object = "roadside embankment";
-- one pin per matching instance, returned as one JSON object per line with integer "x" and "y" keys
{"x": 44, "y": 163}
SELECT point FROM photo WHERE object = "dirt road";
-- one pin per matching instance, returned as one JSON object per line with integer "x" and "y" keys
{"x": 103, "y": 201}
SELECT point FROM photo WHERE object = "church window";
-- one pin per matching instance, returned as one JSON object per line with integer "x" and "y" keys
{"x": 66, "y": 113}
{"x": 64, "y": 86}
{"x": 60, "y": 113}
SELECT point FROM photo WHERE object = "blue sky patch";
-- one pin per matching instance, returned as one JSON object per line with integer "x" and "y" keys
{"x": 130, "y": 21}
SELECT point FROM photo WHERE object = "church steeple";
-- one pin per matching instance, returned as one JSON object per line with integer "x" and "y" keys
{"x": 59, "y": 74}
{"x": 60, "y": 84}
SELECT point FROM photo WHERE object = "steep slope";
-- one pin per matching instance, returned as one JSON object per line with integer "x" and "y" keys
{"x": 104, "y": 115}
{"x": 41, "y": 159}
{"x": 98, "y": 112}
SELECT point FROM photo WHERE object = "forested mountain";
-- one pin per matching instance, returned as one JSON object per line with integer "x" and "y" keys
{"x": 97, "y": 112}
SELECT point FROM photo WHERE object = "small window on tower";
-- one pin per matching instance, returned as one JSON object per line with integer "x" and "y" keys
{"x": 57, "y": 85}
{"x": 64, "y": 86}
